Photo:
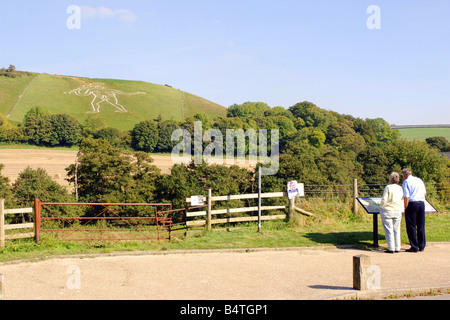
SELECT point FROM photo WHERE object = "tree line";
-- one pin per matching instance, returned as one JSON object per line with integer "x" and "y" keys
{"x": 11, "y": 72}
{"x": 317, "y": 147}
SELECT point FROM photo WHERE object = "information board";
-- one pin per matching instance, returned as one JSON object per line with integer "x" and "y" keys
{"x": 295, "y": 189}
{"x": 197, "y": 201}
{"x": 372, "y": 205}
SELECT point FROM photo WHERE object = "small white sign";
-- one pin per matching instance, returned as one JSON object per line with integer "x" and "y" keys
{"x": 197, "y": 201}
{"x": 295, "y": 189}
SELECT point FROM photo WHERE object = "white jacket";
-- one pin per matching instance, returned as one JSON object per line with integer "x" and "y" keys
{"x": 392, "y": 204}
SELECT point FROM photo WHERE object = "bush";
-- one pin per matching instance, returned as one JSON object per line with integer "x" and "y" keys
{"x": 51, "y": 130}
{"x": 145, "y": 136}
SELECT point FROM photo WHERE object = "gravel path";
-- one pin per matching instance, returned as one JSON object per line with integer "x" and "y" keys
{"x": 288, "y": 274}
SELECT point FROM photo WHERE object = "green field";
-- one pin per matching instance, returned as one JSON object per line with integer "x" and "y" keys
{"x": 142, "y": 100}
{"x": 421, "y": 134}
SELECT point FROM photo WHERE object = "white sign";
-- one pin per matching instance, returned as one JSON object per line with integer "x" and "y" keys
{"x": 197, "y": 201}
{"x": 295, "y": 189}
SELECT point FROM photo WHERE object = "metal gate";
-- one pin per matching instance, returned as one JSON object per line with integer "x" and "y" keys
{"x": 107, "y": 223}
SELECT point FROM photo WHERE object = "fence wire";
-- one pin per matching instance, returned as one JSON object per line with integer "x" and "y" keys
{"x": 345, "y": 191}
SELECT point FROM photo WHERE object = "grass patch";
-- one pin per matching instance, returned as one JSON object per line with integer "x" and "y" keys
{"x": 274, "y": 234}
{"x": 421, "y": 134}
{"x": 22, "y": 146}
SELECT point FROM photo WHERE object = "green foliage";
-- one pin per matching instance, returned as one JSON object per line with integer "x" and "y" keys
{"x": 11, "y": 72}
{"x": 440, "y": 143}
{"x": 343, "y": 137}
{"x": 114, "y": 136}
{"x": 338, "y": 167}
{"x": 383, "y": 130}
{"x": 145, "y": 136}
{"x": 298, "y": 162}
{"x": 247, "y": 109}
{"x": 9, "y": 132}
{"x": 310, "y": 135}
{"x": 375, "y": 165}
{"x": 187, "y": 180}
{"x": 101, "y": 173}
{"x": 5, "y": 188}
{"x": 51, "y": 130}
{"x": 37, "y": 183}
{"x": 317, "y": 147}
{"x": 312, "y": 115}
{"x": 165, "y": 130}
{"x": 107, "y": 175}
{"x": 424, "y": 161}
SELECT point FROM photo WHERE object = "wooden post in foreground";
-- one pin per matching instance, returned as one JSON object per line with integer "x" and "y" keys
{"x": 2, "y": 291}
{"x": 361, "y": 264}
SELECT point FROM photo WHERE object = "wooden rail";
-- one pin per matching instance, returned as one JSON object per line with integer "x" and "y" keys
{"x": 4, "y": 227}
{"x": 210, "y": 212}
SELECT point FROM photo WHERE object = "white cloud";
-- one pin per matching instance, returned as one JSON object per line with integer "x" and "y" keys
{"x": 105, "y": 12}
{"x": 108, "y": 13}
{"x": 126, "y": 15}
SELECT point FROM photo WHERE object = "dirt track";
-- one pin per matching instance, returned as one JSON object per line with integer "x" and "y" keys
{"x": 54, "y": 162}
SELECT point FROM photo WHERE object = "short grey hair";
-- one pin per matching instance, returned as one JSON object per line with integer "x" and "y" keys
{"x": 394, "y": 178}
{"x": 406, "y": 172}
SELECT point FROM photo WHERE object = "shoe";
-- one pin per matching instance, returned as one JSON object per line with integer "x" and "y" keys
{"x": 389, "y": 251}
{"x": 397, "y": 251}
{"x": 422, "y": 250}
{"x": 411, "y": 250}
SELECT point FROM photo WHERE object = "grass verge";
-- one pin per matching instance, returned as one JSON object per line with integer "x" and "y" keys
{"x": 274, "y": 234}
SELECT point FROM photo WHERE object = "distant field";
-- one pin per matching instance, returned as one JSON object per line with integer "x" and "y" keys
{"x": 421, "y": 134}
{"x": 55, "y": 162}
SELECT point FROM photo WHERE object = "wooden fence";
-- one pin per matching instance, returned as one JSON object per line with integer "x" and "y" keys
{"x": 209, "y": 213}
{"x": 4, "y": 227}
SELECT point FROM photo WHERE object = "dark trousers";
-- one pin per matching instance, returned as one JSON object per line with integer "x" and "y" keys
{"x": 415, "y": 225}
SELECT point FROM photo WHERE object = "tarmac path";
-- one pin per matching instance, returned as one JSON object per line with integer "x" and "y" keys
{"x": 265, "y": 274}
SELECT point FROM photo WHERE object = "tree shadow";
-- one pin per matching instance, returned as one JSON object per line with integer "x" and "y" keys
{"x": 364, "y": 238}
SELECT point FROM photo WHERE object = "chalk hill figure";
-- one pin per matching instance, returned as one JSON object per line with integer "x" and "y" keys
{"x": 102, "y": 94}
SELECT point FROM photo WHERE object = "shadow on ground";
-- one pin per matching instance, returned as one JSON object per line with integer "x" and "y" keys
{"x": 363, "y": 238}
{"x": 322, "y": 287}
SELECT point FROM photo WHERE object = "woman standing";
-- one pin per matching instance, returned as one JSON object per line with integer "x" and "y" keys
{"x": 391, "y": 212}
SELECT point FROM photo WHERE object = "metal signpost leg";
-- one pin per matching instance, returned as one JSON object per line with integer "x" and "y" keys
{"x": 259, "y": 199}
{"x": 375, "y": 231}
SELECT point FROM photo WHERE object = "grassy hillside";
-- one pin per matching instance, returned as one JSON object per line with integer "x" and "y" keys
{"x": 141, "y": 100}
{"x": 10, "y": 91}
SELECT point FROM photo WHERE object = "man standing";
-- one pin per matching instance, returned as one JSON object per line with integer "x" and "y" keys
{"x": 414, "y": 193}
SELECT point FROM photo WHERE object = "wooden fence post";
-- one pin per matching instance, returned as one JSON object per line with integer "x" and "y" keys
{"x": 2, "y": 223}
{"x": 209, "y": 213}
{"x": 355, "y": 196}
{"x": 291, "y": 209}
{"x": 37, "y": 219}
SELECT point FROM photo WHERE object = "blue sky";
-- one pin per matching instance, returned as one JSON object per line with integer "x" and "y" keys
{"x": 279, "y": 52}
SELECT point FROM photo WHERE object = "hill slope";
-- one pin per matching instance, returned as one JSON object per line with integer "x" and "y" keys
{"x": 120, "y": 103}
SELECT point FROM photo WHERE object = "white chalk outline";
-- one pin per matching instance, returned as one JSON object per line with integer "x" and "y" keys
{"x": 101, "y": 94}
